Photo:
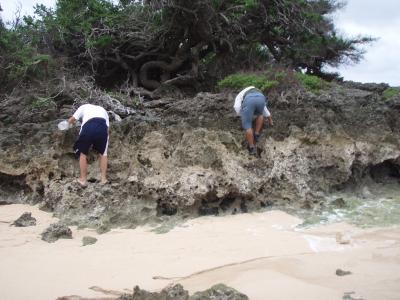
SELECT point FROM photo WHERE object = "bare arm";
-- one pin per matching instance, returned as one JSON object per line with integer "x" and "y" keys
{"x": 270, "y": 121}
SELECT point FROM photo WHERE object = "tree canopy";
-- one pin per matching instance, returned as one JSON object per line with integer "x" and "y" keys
{"x": 176, "y": 42}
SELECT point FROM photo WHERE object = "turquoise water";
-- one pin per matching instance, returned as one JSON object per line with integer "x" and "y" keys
{"x": 373, "y": 206}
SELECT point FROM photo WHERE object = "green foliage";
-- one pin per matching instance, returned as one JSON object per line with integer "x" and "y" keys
{"x": 276, "y": 73}
{"x": 239, "y": 4}
{"x": 99, "y": 42}
{"x": 240, "y": 81}
{"x": 391, "y": 92}
{"x": 280, "y": 75}
{"x": 208, "y": 59}
{"x": 112, "y": 42}
{"x": 248, "y": 3}
{"x": 42, "y": 102}
{"x": 80, "y": 16}
{"x": 311, "y": 82}
{"x": 20, "y": 58}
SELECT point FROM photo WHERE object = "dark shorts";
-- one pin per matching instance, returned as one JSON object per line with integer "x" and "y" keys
{"x": 253, "y": 105}
{"x": 93, "y": 133}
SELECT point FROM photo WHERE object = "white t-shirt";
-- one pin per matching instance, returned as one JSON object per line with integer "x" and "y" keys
{"x": 239, "y": 99}
{"x": 90, "y": 111}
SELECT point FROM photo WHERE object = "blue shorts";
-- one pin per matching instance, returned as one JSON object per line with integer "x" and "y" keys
{"x": 253, "y": 105}
{"x": 93, "y": 133}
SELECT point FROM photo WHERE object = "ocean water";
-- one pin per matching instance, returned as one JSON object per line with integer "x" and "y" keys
{"x": 375, "y": 205}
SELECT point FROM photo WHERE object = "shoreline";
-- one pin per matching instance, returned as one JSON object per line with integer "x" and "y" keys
{"x": 259, "y": 254}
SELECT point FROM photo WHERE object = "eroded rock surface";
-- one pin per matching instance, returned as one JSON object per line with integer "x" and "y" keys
{"x": 340, "y": 272}
{"x": 25, "y": 220}
{"x": 88, "y": 240}
{"x": 186, "y": 157}
{"x": 56, "y": 231}
{"x": 176, "y": 292}
{"x": 219, "y": 292}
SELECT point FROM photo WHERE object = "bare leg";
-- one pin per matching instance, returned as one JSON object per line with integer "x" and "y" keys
{"x": 259, "y": 124}
{"x": 83, "y": 169}
{"x": 249, "y": 137}
{"x": 103, "y": 168}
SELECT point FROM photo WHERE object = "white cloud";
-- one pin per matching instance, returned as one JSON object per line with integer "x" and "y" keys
{"x": 10, "y": 7}
{"x": 380, "y": 20}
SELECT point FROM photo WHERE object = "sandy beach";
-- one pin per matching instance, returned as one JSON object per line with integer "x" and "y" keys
{"x": 263, "y": 255}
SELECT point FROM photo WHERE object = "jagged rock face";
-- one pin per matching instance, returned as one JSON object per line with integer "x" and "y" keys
{"x": 176, "y": 292}
{"x": 56, "y": 231}
{"x": 186, "y": 157}
{"x": 25, "y": 220}
{"x": 219, "y": 292}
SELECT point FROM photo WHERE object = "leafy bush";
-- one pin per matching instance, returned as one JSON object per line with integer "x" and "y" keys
{"x": 42, "y": 102}
{"x": 391, "y": 92}
{"x": 310, "y": 82}
{"x": 20, "y": 57}
{"x": 21, "y": 64}
{"x": 240, "y": 81}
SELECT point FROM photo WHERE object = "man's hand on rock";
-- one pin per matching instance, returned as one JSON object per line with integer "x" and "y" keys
{"x": 270, "y": 122}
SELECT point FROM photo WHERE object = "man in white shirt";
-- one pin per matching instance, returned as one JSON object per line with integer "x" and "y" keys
{"x": 93, "y": 133}
{"x": 248, "y": 103}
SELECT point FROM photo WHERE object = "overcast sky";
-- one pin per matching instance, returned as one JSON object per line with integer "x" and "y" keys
{"x": 380, "y": 19}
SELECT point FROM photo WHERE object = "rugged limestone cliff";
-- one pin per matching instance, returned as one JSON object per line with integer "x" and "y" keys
{"x": 185, "y": 156}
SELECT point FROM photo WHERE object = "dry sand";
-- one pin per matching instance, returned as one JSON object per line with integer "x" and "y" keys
{"x": 262, "y": 255}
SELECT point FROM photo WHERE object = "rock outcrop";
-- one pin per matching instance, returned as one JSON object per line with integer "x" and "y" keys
{"x": 25, "y": 220}
{"x": 56, "y": 231}
{"x": 186, "y": 156}
{"x": 173, "y": 292}
{"x": 88, "y": 240}
{"x": 176, "y": 292}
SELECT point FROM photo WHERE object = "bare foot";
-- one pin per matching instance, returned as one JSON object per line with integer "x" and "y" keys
{"x": 83, "y": 184}
{"x": 103, "y": 182}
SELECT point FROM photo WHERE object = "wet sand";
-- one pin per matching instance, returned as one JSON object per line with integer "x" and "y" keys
{"x": 262, "y": 255}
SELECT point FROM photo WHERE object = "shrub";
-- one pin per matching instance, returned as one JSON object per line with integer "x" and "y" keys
{"x": 42, "y": 102}
{"x": 20, "y": 60}
{"x": 310, "y": 82}
{"x": 240, "y": 81}
{"x": 391, "y": 92}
